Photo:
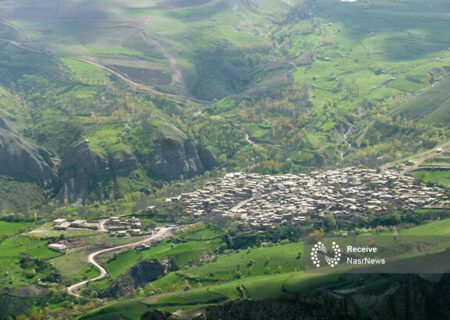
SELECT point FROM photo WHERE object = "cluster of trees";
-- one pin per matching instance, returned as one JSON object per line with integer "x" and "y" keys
{"x": 290, "y": 103}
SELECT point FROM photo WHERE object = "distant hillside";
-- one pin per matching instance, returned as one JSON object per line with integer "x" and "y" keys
{"x": 131, "y": 94}
{"x": 431, "y": 106}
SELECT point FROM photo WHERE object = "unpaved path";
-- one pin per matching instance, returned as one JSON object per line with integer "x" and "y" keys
{"x": 417, "y": 162}
{"x": 135, "y": 85}
{"x": 364, "y": 132}
{"x": 5, "y": 23}
{"x": 177, "y": 77}
{"x": 176, "y": 72}
{"x": 247, "y": 138}
{"x": 72, "y": 290}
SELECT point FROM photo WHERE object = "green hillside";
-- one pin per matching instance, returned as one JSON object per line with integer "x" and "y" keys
{"x": 431, "y": 106}
{"x": 107, "y": 108}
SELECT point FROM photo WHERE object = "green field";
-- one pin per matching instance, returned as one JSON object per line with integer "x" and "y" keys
{"x": 435, "y": 228}
{"x": 86, "y": 73}
{"x": 180, "y": 253}
{"x": 12, "y": 251}
{"x": 249, "y": 263}
{"x": 8, "y": 229}
{"x": 440, "y": 177}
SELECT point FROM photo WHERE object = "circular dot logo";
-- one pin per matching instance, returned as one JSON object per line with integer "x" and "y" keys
{"x": 320, "y": 247}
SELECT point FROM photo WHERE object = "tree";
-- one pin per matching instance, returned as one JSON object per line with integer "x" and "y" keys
{"x": 314, "y": 236}
{"x": 330, "y": 222}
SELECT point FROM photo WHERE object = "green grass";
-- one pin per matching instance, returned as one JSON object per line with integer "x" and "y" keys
{"x": 259, "y": 287}
{"x": 435, "y": 228}
{"x": 8, "y": 229}
{"x": 107, "y": 140}
{"x": 119, "y": 311}
{"x": 440, "y": 177}
{"x": 12, "y": 250}
{"x": 86, "y": 73}
{"x": 432, "y": 106}
{"x": 250, "y": 263}
{"x": 257, "y": 284}
{"x": 15, "y": 246}
{"x": 180, "y": 253}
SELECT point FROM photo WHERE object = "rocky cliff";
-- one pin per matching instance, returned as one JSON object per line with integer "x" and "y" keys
{"x": 138, "y": 276}
{"x": 399, "y": 297}
{"x": 85, "y": 175}
{"x": 25, "y": 161}
{"x": 175, "y": 155}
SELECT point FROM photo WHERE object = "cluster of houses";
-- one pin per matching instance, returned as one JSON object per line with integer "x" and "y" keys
{"x": 113, "y": 225}
{"x": 64, "y": 224}
{"x": 122, "y": 228}
{"x": 266, "y": 200}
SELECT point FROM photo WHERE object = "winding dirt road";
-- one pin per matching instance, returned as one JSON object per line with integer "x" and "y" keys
{"x": 416, "y": 163}
{"x": 177, "y": 77}
{"x": 72, "y": 290}
{"x": 176, "y": 71}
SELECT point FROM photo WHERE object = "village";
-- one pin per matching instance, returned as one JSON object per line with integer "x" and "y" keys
{"x": 114, "y": 226}
{"x": 264, "y": 201}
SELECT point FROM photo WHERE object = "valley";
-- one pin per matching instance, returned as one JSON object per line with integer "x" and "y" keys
{"x": 173, "y": 159}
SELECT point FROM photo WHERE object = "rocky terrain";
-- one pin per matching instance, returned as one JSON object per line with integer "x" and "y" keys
{"x": 139, "y": 275}
{"x": 87, "y": 176}
{"x": 176, "y": 155}
{"x": 25, "y": 161}
{"x": 83, "y": 175}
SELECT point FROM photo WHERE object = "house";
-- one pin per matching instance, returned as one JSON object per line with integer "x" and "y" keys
{"x": 62, "y": 226}
{"x": 78, "y": 223}
{"x": 59, "y": 221}
{"x": 135, "y": 232}
{"x": 57, "y": 246}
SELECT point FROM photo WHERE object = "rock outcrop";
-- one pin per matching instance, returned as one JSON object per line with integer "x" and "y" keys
{"x": 208, "y": 158}
{"x": 85, "y": 175}
{"x": 25, "y": 161}
{"x": 175, "y": 155}
{"x": 138, "y": 276}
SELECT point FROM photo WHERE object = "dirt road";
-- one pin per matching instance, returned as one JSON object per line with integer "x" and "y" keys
{"x": 177, "y": 77}
{"x": 417, "y": 162}
{"x": 247, "y": 138}
{"x": 72, "y": 290}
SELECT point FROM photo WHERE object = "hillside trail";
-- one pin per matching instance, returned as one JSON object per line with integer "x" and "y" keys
{"x": 177, "y": 76}
{"x": 363, "y": 133}
{"x": 247, "y": 138}
{"x": 72, "y": 290}
{"x": 417, "y": 162}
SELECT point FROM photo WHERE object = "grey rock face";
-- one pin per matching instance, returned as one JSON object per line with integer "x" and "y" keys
{"x": 208, "y": 158}
{"x": 25, "y": 161}
{"x": 83, "y": 172}
{"x": 173, "y": 158}
{"x": 141, "y": 274}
